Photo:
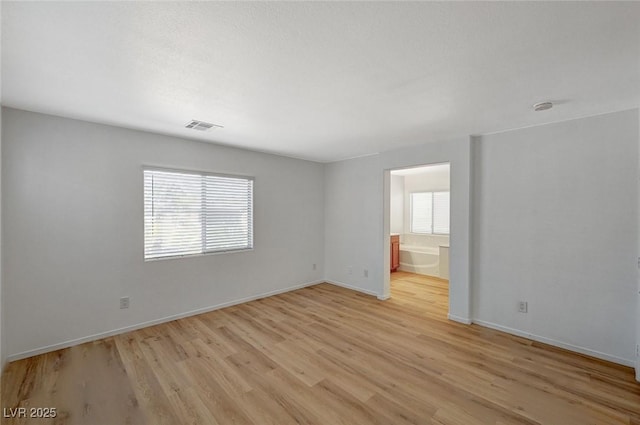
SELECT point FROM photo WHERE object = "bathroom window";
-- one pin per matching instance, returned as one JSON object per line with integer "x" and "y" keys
{"x": 430, "y": 212}
{"x": 190, "y": 213}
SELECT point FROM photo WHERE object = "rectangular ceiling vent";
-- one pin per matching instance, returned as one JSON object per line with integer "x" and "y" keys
{"x": 201, "y": 125}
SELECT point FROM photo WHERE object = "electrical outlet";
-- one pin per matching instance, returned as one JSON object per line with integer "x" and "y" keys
{"x": 124, "y": 302}
{"x": 637, "y": 350}
{"x": 522, "y": 306}
{"x": 366, "y": 273}
{"x": 314, "y": 266}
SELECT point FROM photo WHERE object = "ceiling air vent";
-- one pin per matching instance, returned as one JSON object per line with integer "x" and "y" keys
{"x": 201, "y": 125}
{"x": 542, "y": 106}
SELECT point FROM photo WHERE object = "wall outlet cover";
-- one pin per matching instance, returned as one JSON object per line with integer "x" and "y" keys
{"x": 522, "y": 306}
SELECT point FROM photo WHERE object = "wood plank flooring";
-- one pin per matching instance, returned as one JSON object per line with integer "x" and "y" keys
{"x": 323, "y": 355}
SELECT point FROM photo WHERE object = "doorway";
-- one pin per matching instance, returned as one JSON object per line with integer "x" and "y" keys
{"x": 417, "y": 227}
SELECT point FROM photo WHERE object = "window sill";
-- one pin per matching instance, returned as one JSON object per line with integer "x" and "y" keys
{"x": 204, "y": 254}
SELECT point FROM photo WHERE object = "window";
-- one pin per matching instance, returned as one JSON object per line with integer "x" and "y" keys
{"x": 430, "y": 212}
{"x": 188, "y": 213}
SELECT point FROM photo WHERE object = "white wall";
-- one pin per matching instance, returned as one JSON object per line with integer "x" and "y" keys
{"x": 397, "y": 204}
{"x": 73, "y": 215}
{"x": 2, "y": 310}
{"x": 432, "y": 178}
{"x": 554, "y": 209}
{"x": 3, "y": 356}
{"x": 70, "y": 184}
{"x": 354, "y": 221}
{"x": 638, "y": 277}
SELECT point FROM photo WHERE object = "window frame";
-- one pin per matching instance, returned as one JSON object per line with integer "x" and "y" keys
{"x": 197, "y": 173}
{"x": 432, "y": 192}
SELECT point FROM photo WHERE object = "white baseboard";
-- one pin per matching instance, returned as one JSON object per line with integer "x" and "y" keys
{"x": 556, "y": 343}
{"x": 459, "y": 319}
{"x": 355, "y": 288}
{"x": 101, "y": 335}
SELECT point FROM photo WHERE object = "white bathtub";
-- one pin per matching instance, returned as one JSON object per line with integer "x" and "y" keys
{"x": 420, "y": 259}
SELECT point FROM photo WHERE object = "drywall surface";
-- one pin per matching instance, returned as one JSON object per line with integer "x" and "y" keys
{"x": 2, "y": 321}
{"x": 354, "y": 218}
{"x": 638, "y": 276}
{"x": 73, "y": 221}
{"x": 431, "y": 179}
{"x": 554, "y": 224}
{"x": 3, "y": 356}
{"x": 397, "y": 204}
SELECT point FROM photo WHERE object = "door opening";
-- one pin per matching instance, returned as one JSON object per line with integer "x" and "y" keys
{"x": 417, "y": 229}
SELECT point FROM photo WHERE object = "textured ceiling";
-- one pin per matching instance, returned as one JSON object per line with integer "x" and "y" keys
{"x": 321, "y": 81}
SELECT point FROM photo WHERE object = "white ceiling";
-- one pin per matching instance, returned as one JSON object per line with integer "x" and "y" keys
{"x": 321, "y": 81}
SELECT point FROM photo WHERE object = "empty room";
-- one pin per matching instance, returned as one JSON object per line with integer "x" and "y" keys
{"x": 320, "y": 212}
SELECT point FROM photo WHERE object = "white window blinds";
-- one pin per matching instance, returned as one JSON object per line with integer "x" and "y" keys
{"x": 188, "y": 213}
{"x": 441, "y": 212}
{"x": 429, "y": 212}
{"x": 422, "y": 212}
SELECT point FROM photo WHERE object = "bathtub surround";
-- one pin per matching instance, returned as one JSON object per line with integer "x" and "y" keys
{"x": 421, "y": 254}
{"x": 429, "y": 241}
{"x": 420, "y": 260}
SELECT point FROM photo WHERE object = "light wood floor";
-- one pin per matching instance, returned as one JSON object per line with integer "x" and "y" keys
{"x": 323, "y": 355}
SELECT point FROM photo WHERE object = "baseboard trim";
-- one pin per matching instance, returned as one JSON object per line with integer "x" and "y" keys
{"x": 101, "y": 335}
{"x": 556, "y": 343}
{"x": 355, "y": 288}
{"x": 459, "y": 319}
